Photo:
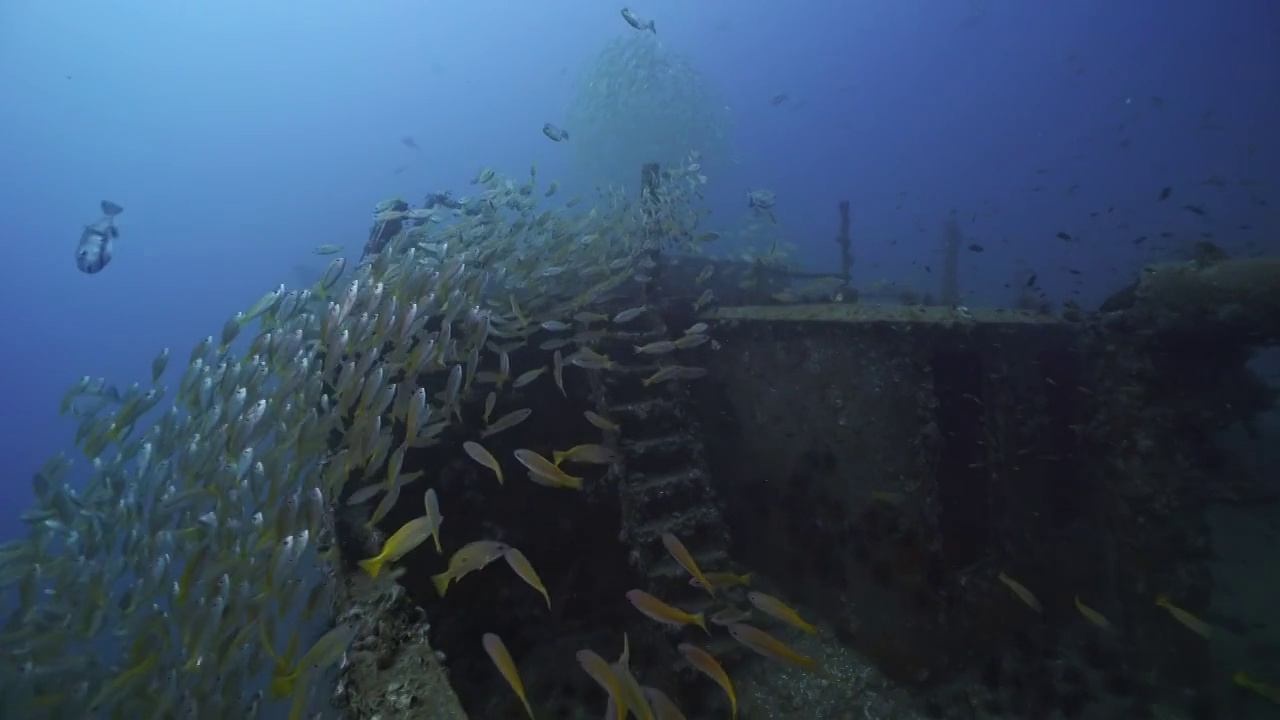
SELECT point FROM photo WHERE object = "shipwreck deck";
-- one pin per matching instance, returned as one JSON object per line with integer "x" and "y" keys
{"x": 862, "y": 313}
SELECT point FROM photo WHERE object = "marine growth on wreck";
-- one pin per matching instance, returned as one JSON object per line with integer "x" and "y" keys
{"x": 518, "y": 460}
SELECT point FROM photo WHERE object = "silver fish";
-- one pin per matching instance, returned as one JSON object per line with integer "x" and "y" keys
{"x": 760, "y": 199}
{"x": 554, "y": 132}
{"x": 94, "y": 251}
{"x": 634, "y": 21}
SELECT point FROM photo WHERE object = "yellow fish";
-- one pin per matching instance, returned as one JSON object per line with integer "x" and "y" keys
{"x": 544, "y": 472}
{"x": 409, "y": 536}
{"x": 502, "y": 659}
{"x": 432, "y": 504}
{"x": 322, "y": 654}
{"x": 706, "y": 663}
{"x": 468, "y": 559}
{"x": 1023, "y": 594}
{"x": 770, "y": 646}
{"x": 664, "y": 613}
{"x": 682, "y": 556}
{"x": 1194, "y": 623}
{"x": 482, "y": 456}
{"x": 632, "y": 695}
{"x": 664, "y": 708}
{"x": 588, "y": 453}
{"x": 723, "y": 579}
{"x": 1092, "y": 615}
{"x": 524, "y": 569}
{"x": 1266, "y": 690}
{"x": 599, "y": 670}
{"x": 601, "y": 422}
{"x": 774, "y": 607}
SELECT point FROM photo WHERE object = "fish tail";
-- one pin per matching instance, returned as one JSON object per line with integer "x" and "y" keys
{"x": 436, "y": 537}
{"x": 574, "y": 482}
{"x": 372, "y": 566}
{"x": 700, "y": 619}
{"x": 441, "y": 582}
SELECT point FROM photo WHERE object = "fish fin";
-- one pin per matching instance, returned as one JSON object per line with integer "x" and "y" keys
{"x": 651, "y": 28}
{"x": 110, "y": 209}
{"x": 113, "y": 231}
{"x": 372, "y": 566}
{"x": 441, "y": 582}
{"x": 701, "y": 621}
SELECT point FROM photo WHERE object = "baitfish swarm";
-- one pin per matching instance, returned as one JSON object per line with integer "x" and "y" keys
{"x": 165, "y": 580}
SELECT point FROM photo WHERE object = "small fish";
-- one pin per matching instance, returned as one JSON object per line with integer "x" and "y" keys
{"x": 691, "y": 341}
{"x": 682, "y": 556}
{"x": 544, "y": 472}
{"x": 1023, "y": 594}
{"x": 775, "y": 608}
{"x": 557, "y": 371}
{"x": 601, "y": 422}
{"x": 1193, "y": 623}
{"x": 484, "y": 457}
{"x": 598, "y": 669}
{"x": 469, "y": 558}
{"x": 591, "y": 453}
{"x": 769, "y": 646}
{"x": 629, "y": 314}
{"x": 761, "y": 199}
{"x": 522, "y": 567}
{"x": 1266, "y": 690}
{"x": 410, "y": 143}
{"x": 1092, "y": 615}
{"x": 1165, "y": 192}
{"x": 664, "y": 613}
{"x": 1063, "y": 235}
{"x": 409, "y": 536}
{"x": 555, "y": 133}
{"x": 975, "y": 247}
{"x": 1195, "y": 209}
{"x": 723, "y": 579}
{"x": 327, "y": 249}
{"x": 778, "y": 99}
{"x": 94, "y": 251}
{"x": 527, "y": 377}
{"x": 501, "y": 658}
{"x": 664, "y": 708}
{"x": 730, "y": 616}
{"x": 705, "y": 663}
{"x": 506, "y": 422}
{"x": 659, "y": 347}
{"x": 433, "y": 516}
{"x": 674, "y": 372}
{"x": 634, "y": 21}
{"x": 1031, "y": 281}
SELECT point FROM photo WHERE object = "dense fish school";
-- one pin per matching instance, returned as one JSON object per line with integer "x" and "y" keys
{"x": 172, "y": 583}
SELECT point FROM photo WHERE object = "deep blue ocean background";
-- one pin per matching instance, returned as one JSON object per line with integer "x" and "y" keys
{"x": 239, "y": 135}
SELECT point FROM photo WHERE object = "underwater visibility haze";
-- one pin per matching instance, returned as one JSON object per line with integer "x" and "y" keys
{"x": 817, "y": 361}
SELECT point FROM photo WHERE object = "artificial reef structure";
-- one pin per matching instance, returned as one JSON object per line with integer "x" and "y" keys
{"x": 884, "y": 468}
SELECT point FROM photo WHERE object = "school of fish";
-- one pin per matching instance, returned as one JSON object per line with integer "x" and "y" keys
{"x": 164, "y": 576}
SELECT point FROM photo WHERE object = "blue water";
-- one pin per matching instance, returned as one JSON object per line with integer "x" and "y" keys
{"x": 238, "y": 135}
